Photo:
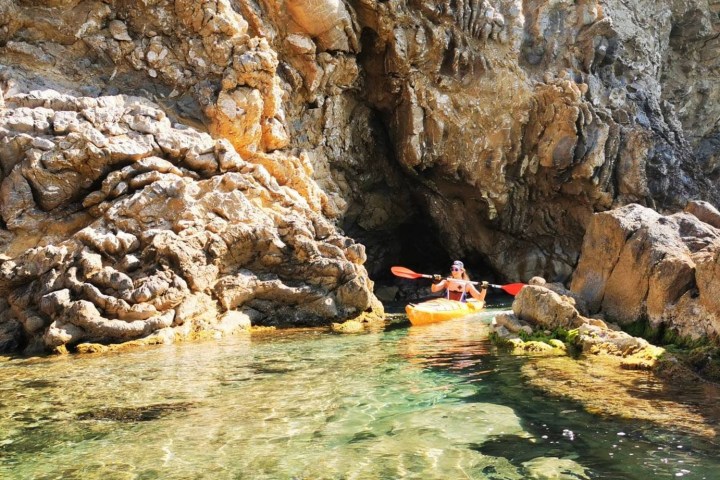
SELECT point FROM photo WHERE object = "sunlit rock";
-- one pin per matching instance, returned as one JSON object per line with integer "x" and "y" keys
{"x": 351, "y": 326}
{"x": 546, "y": 309}
{"x": 637, "y": 264}
{"x": 146, "y": 245}
{"x": 539, "y": 310}
{"x": 490, "y": 129}
{"x": 511, "y": 323}
{"x": 704, "y": 211}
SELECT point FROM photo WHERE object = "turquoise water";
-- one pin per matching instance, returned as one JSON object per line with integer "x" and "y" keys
{"x": 434, "y": 402}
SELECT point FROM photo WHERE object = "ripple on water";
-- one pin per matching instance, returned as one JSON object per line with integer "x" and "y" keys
{"x": 437, "y": 402}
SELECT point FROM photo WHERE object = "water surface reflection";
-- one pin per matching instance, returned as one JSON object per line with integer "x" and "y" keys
{"x": 432, "y": 402}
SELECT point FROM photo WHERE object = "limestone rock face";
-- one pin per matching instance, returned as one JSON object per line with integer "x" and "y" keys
{"x": 543, "y": 307}
{"x": 639, "y": 265}
{"x": 518, "y": 120}
{"x": 119, "y": 224}
{"x": 493, "y": 127}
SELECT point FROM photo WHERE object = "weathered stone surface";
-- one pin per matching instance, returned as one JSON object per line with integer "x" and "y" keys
{"x": 511, "y": 323}
{"x": 518, "y": 122}
{"x": 142, "y": 240}
{"x": 351, "y": 326}
{"x": 495, "y": 128}
{"x": 538, "y": 307}
{"x": 576, "y": 300}
{"x": 639, "y": 265}
{"x": 546, "y": 309}
{"x": 232, "y": 321}
{"x": 705, "y": 212}
{"x": 513, "y": 122}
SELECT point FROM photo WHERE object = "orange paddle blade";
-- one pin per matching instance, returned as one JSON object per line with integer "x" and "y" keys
{"x": 512, "y": 288}
{"x": 406, "y": 273}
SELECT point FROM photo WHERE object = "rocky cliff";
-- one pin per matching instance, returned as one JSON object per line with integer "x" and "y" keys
{"x": 122, "y": 225}
{"x": 157, "y": 152}
{"x": 516, "y": 120}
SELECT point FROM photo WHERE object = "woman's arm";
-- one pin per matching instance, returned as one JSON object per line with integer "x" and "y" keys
{"x": 436, "y": 287}
{"x": 477, "y": 295}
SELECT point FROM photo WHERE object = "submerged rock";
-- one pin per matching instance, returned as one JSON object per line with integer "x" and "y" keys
{"x": 351, "y": 326}
{"x": 144, "y": 413}
{"x": 542, "y": 468}
{"x": 588, "y": 381}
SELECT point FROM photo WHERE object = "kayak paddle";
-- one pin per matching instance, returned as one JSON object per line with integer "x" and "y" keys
{"x": 512, "y": 288}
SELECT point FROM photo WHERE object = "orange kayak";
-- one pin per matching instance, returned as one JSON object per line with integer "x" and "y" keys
{"x": 441, "y": 309}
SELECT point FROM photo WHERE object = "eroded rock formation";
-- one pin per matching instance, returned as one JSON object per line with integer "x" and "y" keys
{"x": 637, "y": 267}
{"x": 121, "y": 224}
{"x": 518, "y": 120}
{"x": 538, "y": 308}
{"x": 497, "y": 126}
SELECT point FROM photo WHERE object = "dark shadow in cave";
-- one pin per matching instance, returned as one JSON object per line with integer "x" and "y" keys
{"x": 420, "y": 248}
{"x": 413, "y": 244}
{"x": 416, "y": 245}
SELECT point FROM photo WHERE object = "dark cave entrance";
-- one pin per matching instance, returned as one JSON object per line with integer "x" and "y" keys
{"x": 421, "y": 249}
{"x": 416, "y": 245}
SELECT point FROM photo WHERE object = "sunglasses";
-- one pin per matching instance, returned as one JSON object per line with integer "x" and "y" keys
{"x": 456, "y": 269}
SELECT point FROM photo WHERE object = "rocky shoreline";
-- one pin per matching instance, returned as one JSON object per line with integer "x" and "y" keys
{"x": 638, "y": 271}
{"x": 175, "y": 169}
{"x": 164, "y": 231}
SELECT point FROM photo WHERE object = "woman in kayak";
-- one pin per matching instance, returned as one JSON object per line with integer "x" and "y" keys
{"x": 458, "y": 285}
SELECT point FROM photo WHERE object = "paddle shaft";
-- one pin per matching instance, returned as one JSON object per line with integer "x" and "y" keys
{"x": 422, "y": 275}
{"x": 403, "y": 272}
{"x": 470, "y": 281}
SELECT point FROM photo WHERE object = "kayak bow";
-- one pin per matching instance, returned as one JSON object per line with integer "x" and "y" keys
{"x": 440, "y": 310}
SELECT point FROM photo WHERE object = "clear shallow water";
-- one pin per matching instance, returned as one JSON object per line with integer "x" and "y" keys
{"x": 434, "y": 402}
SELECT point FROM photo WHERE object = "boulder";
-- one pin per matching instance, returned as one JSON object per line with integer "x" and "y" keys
{"x": 638, "y": 265}
{"x": 511, "y": 323}
{"x": 539, "y": 308}
{"x": 546, "y": 309}
{"x": 704, "y": 211}
{"x": 350, "y": 326}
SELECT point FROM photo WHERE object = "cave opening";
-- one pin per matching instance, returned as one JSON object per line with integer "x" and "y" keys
{"x": 420, "y": 248}
{"x": 413, "y": 244}
{"x": 417, "y": 245}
